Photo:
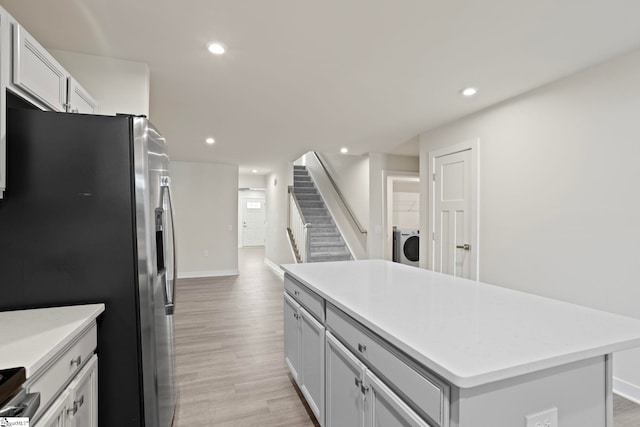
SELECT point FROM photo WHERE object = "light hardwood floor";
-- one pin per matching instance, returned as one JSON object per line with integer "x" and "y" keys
{"x": 230, "y": 356}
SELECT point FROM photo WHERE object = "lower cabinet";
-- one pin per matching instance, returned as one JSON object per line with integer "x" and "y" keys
{"x": 384, "y": 408}
{"x": 345, "y": 374}
{"x": 304, "y": 339}
{"x": 55, "y": 415}
{"x": 77, "y": 406}
{"x": 356, "y": 397}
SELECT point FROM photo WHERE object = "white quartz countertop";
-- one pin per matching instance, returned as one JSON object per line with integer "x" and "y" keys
{"x": 468, "y": 332}
{"x": 29, "y": 338}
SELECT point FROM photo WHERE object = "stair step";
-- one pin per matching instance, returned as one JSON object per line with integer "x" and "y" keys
{"x": 315, "y": 218}
{"x": 301, "y": 178}
{"x": 299, "y": 167}
{"x": 307, "y": 196}
{"x": 303, "y": 184}
{"x": 328, "y": 246}
{"x": 311, "y": 204}
{"x": 325, "y": 239}
{"x": 322, "y": 229}
{"x": 320, "y": 222}
{"x": 308, "y": 211}
{"x": 305, "y": 191}
{"x": 324, "y": 234}
{"x": 329, "y": 256}
{"x": 300, "y": 172}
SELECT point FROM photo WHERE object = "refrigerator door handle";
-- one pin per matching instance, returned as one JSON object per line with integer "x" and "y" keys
{"x": 170, "y": 282}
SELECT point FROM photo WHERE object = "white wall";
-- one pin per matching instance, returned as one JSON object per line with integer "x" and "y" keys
{"x": 276, "y": 246}
{"x": 206, "y": 211}
{"x": 559, "y": 197}
{"x": 249, "y": 180}
{"x": 351, "y": 174}
{"x": 379, "y": 162}
{"x": 118, "y": 86}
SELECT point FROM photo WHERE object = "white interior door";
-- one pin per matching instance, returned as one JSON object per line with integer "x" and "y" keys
{"x": 253, "y": 222}
{"x": 454, "y": 213}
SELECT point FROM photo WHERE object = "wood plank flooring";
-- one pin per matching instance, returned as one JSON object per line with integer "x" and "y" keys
{"x": 230, "y": 353}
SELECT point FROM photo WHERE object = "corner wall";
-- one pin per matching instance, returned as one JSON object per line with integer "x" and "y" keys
{"x": 205, "y": 197}
{"x": 276, "y": 247}
{"x": 559, "y": 198}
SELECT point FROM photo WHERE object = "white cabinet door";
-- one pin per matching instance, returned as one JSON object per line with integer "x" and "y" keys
{"x": 36, "y": 72}
{"x": 56, "y": 414}
{"x": 383, "y": 408}
{"x": 344, "y": 379}
{"x": 83, "y": 409}
{"x": 291, "y": 336}
{"x": 311, "y": 368}
{"x": 79, "y": 99}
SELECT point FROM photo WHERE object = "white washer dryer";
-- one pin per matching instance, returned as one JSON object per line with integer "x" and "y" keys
{"x": 406, "y": 246}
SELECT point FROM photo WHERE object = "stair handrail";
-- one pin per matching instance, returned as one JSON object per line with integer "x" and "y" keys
{"x": 361, "y": 229}
{"x": 298, "y": 226}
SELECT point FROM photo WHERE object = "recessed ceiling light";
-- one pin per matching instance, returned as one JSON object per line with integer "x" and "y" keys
{"x": 216, "y": 48}
{"x": 255, "y": 171}
{"x": 469, "y": 91}
{"x": 344, "y": 150}
{"x": 210, "y": 140}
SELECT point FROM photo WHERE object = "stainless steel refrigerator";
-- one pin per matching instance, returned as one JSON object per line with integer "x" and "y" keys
{"x": 87, "y": 218}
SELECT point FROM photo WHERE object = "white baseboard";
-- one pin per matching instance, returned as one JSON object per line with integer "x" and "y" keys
{"x": 275, "y": 267}
{"x": 627, "y": 390}
{"x": 212, "y": 273}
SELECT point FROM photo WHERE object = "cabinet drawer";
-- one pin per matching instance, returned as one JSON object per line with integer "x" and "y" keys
{"x": 428, "y": 395}
{"x": 309, "y": 299}
{"x": 56, "y": 376}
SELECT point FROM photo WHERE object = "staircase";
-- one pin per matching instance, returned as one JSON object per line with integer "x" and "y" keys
{"x": 325, "y": 241}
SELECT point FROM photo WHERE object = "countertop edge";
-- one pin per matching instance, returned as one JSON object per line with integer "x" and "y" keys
{"x": 30, "y": 371}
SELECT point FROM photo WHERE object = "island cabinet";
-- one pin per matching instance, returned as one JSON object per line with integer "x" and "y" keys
{"x": 304, "y": 344}
{"x": 421, "y": 390}
{"x": 357, "y": 397}
{"x": 408, "y": 347}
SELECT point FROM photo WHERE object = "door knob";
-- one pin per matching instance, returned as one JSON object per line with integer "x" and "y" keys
{"x": 466, "y": 247}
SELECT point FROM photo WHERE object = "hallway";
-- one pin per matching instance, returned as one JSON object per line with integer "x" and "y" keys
{"x": 229, "y": 345}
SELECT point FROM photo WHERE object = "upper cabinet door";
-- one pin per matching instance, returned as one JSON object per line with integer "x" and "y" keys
{"x": 79, "y": 99}
{"x": 36, "y": 72}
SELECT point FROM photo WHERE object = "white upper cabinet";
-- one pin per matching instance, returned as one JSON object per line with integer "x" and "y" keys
{"x": 79, "y": 99}
{"x": 36, "y": 72}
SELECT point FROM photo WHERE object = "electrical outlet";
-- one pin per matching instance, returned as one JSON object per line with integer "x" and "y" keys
{"x": 548, "y": 418}
{"x": 205, "y": 252}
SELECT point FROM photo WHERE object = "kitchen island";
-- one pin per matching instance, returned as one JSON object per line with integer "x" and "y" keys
{"x": 378, "y": 343}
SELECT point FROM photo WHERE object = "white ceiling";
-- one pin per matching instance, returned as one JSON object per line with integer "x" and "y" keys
{"x": 302, "y": 75}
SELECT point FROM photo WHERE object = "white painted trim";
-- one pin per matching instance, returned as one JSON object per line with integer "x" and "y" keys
{"x": 275, "y": 267}
{"x": 627, "y": 390}
{"x": 474, "y": 146}
{"x": 211, "y": 273}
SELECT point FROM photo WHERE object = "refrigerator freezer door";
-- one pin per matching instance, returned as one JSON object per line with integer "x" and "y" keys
{"x": 153, "y": 213}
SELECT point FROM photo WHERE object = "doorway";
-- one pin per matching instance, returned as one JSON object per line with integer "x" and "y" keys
{"x": 251, "y": 218}
{"x": 453, "y": 212}
{"x": 402, "y": 207}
